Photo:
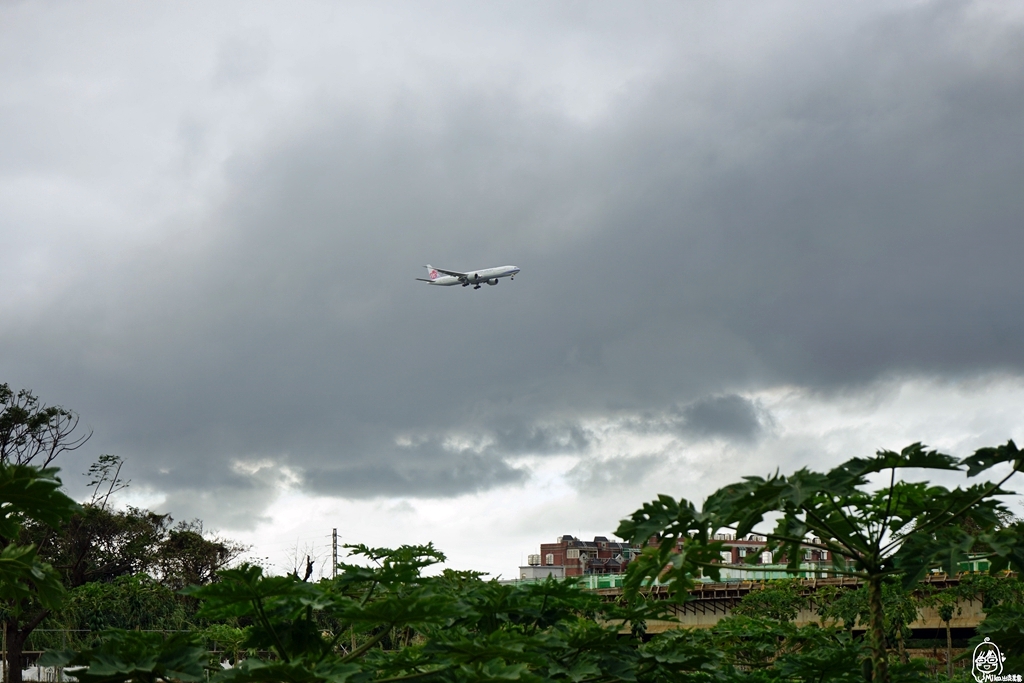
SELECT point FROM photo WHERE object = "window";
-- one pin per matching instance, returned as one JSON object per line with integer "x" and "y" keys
{"x": 766, "y": 558}
{"x": 549, "y": 558}
{"x": 573, "y": 553}
{"x": 726, "y": 556}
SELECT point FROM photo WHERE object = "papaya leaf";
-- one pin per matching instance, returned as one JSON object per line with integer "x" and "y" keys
{"x": 138, "y": 656}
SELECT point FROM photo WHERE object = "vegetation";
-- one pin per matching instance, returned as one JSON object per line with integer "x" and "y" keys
{"x": 70, "y": 567}
{"x": 160, "y": 601}
{"x": 29, "y": 587}
{"x": 32, "y": 433}
{"x": 901, "y": 529}
{"x": 386, "y": 619}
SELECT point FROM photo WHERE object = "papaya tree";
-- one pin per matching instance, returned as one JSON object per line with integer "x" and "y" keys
{"x": 384, "y": 619}
{"x": 873, "y": 522}
{"x": 29, "y": 587}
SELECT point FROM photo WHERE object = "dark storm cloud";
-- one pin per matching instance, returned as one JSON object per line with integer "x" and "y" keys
{"x": 726, "y": 416}
{"x": 412, "y": 475}
{"x": 542, "y": 439}
{"x": 720, "y": 416}
{"x": 822, "y": 211}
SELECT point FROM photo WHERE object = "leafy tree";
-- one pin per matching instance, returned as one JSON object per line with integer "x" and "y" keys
{"x": 186, "y": 557}
{"x": 387, "y": 621}
{"x": 101, "y": 544}
{"x": 48, "y": 543}
{"x": 990, "y": 589}
{"x": 779, "y": 600}
{"x": 126, "y": 602}
{"x": 29, "y": 587}
{"x": 900, "y": 529}
{"x": 31, "y": 432}
{"x": 900, "y": 608}
{"x": 840, "y": 605}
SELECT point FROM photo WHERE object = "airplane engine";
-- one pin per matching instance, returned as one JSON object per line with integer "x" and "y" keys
{"x": 493, "y": 281}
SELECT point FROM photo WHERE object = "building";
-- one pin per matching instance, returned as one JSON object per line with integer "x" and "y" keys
{"x": 748, "y": 551}
{"x": 539, "y": 571}
{"x": 569, "y": 556}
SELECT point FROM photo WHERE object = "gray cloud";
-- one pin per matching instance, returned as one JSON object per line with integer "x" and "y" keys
{"x": 230, "y": 494}
{"x": 824, "y": 208}
{"x": 723, "y": 416}
{"x": 605, "y": 476}
{"x": 446, "y": 477}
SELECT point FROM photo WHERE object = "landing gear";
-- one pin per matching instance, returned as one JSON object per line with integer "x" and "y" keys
{"x": 477, "y": 287}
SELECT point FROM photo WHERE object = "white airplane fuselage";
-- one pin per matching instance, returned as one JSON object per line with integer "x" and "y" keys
{"x": 450, "y": 278}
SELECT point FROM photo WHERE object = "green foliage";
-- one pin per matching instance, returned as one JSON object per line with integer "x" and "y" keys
{"x": 839, "y": 605}
{"x": 385, "y": 620}
{"x": 185, "y": 557}
{"x": 23, "y": 577}
{"x": 136, "y": 656}
{"x": 228, "y": 639}
{"x": 99, "y": 544}
{"x": 777, "y": 600}
{"x": 771, "y": 650}
{"x": 390, "y": 616}
{"x": 28, "y": 494}
{"x": 902, "y": 529}
{"x": 815, "y": 654}
{"x": 30, "y": 432}
{"x": 900, "y": 607}
{"x": 1004, "y": 624}
{"x": 990, "y": 589}
{"x": 127, "y": 602}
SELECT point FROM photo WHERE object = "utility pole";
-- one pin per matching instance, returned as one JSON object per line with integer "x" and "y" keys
{"x": 334, "y": 555}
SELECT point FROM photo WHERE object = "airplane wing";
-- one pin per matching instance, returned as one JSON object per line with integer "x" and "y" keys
{"x": 453, "y": 273}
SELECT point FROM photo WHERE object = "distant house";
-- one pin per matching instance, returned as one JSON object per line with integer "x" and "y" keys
{"x": 569, "y": 556}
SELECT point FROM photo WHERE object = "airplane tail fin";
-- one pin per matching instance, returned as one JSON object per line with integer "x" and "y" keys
{"x": 432, "y": 274}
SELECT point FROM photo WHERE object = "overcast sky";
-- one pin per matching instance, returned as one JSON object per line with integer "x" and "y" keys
{"x": 752, "y": 235}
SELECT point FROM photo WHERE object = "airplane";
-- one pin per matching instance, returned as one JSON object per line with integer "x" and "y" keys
{"x": 447, "y": 278}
